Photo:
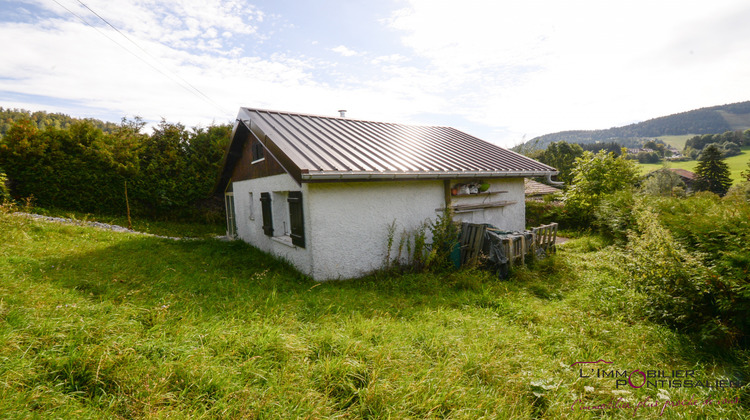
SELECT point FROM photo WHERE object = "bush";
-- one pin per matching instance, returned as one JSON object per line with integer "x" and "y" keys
{"x": 614, "y": 215}
{"x": 4, "y": 192}
{"x": 544, "y": 212}
{"x": 594, "y": 176}
{"x": 676, "y": 286}
{"x": 705, "y": 290}
{"x": 169, "y": 174}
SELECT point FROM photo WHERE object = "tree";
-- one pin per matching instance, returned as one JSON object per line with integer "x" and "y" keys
{"x": 663, "y": 182}
{"x": 595, "y": 175}
{"x": 731, "y": 149}
{"x": 561, "y": 156}
{"x": 712, "y": 172}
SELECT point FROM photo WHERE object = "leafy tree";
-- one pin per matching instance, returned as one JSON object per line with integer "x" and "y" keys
{"x": 648, "y": 157}
{"x": 595, "y": 175}
{"x": 730, "y": 149}
{"x": 663, "y": 182}
{"x": 712, "y": 172}
{"x": 561, "y": 156}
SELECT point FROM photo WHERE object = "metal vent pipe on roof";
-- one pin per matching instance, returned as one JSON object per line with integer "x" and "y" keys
{"x": 342, "y": 113}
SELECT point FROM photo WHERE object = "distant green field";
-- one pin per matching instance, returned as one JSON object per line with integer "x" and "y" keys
{"x": 737, "y": 164}
{"x": 676, "y": 141}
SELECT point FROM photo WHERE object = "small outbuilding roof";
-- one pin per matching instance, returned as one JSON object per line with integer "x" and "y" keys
{"x": 684, "y": 173}
{"x": 315, "y": 148}
{"x": 533, "y": 188}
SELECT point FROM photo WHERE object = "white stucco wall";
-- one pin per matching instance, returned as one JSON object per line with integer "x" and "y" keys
{"x": 251, "y": 231}
{"x": 350, "y": 222}
{"x": 511, "y": 217}
{"x": 346, "y": 223}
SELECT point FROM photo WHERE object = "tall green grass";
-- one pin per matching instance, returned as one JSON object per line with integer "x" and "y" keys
{"x": 97, "y": 324}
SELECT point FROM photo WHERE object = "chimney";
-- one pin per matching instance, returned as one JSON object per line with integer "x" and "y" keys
{"x": 342, "y": 113}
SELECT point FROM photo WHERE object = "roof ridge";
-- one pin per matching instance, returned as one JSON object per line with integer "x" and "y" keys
{"x": 303, "y": 114}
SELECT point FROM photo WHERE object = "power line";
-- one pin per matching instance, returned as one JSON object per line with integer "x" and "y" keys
{"x": 192, "y": 89}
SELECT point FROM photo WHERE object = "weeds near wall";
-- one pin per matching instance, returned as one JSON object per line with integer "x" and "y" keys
{"x": 415, "y": 253}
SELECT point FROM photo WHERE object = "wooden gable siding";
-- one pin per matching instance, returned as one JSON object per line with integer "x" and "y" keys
{"x": 245, "y": 169}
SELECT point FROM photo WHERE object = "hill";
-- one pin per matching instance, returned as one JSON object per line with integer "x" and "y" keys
{"x": 711, "y": 120}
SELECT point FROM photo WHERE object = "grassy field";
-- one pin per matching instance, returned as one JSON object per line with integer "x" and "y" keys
{"x": 676, "y": 141}
{"x": 737, "y": 164}
{"x": 97, "y": 324}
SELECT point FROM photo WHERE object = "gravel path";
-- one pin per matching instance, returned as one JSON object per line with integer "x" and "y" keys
{"x": 98, "y": 225}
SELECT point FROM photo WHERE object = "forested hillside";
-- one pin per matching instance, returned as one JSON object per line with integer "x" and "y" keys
{"x": 44, "y": 119}
{"x": 712, "y": 120}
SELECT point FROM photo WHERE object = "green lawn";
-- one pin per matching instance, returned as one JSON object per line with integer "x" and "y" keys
{"x": 97, "y": 324}
{"x": 737, "y": 164}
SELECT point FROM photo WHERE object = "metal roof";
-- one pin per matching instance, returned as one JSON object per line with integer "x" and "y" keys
{"x": 531, "y": 187}
{"x": 330, "y": 148}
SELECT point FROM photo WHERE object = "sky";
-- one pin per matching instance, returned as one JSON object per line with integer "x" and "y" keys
{"x": 505, "y": 71}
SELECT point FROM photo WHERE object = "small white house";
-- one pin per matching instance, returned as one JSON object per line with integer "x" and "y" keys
{"x": 322, "y": 192}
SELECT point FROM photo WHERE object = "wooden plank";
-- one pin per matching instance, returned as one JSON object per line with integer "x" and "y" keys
{"x": 447, "y": 192}
{"x": 472, "y": 239}
{"x": 465, "y": 207}
{"x": 481, "y": 193}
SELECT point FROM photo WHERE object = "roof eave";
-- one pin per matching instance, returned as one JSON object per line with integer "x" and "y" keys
{"x": 324, "y": 176}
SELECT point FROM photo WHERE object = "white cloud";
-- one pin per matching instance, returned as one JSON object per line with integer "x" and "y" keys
{"x": 541, "y": 66}
{"x": 510, "y": 68}
{"x": 346, "y": 52}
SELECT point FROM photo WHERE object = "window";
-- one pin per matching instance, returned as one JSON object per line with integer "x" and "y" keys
{"x": 283, "y": 209}
{"x": 257, "y": 150}
{"x": 265, "y": 204}
{"x": 296, "y": 219}
{"x": 231, "y": 224}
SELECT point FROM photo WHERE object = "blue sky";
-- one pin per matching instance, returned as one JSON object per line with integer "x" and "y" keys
{"x": 501, "y": 70}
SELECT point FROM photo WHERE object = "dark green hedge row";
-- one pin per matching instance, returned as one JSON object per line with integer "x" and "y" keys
{"x": 168, "y": 173}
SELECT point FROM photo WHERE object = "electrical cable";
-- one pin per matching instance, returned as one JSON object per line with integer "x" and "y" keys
{"x": 190, "y": 88}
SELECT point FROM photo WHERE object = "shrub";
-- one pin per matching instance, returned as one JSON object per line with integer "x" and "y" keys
{"x": 614, "y": 214}
{"x": 690, "y": 257}
{"x": 663, "y": 182}
{"x": 4, "y": 192}
{"x": 595, "y": 175}
{"x": 445, "y": 233}
{"x": 676, "y": 286}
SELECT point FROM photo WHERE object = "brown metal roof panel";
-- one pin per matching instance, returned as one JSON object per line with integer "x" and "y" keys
{"x": 385, "y": 149}
{"x": 372, "y": 152}
{"x": 300, "y": 142}
{"x": 318, "y": 144}
{"x": 268, "y": 125}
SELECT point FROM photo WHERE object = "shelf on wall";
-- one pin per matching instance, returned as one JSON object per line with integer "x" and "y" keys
{"x": 481, "y": 193}
{"x": 461, "y": 208}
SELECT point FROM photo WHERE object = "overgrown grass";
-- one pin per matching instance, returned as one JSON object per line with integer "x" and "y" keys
{"x": 101, "y": 324}
{"x": 736, "y": 164}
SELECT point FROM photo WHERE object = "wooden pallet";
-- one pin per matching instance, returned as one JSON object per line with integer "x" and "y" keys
{"x": 545, "y": 237}
{"x": 471, "y": 241}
